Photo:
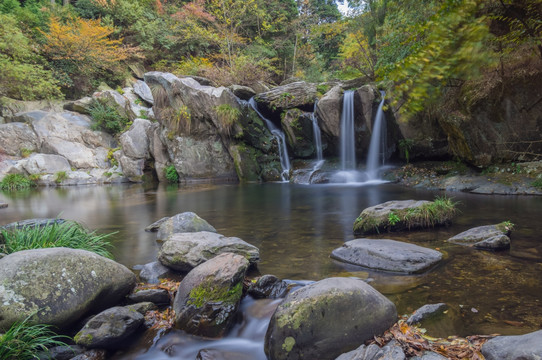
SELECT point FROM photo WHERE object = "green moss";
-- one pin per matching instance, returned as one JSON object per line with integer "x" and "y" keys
{"x": 79, "y": 338}
{"x": 505, "y": 227}
{"x": 208, "y": 291}
{"x": 288, "y": 344}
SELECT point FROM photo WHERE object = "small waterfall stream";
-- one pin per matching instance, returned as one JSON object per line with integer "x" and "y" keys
{"x": 317, "y": 134}
{"x": 347, "y": 140}
{"x": 377, "y": 147}
{"x": 278, "y": 134}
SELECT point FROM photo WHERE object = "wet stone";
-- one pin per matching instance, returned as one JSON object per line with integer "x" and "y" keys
{"x": 426, "y": 312}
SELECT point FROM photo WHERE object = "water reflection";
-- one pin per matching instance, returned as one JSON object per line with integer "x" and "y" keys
{"x": 296, "y": 227}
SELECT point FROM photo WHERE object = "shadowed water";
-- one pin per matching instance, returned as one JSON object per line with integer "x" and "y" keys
{"x": 296, "y": 227}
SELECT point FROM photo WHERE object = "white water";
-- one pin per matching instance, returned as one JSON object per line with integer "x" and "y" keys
{"x": 377, "y": 148}
{"x": 278, "y": 134}
{"x": 317, "y": 135}
{"x": 347, "y": 140}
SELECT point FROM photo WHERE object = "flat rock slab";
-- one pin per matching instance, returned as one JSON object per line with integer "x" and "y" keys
{"x": 524, "y": 347}
{"x": 387, "y": 255}
{"x": 427, "y": 311}
{"x": 489, "y": 237}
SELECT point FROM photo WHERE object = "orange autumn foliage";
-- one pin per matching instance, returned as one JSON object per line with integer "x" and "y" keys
{"x": 86, "y": 43}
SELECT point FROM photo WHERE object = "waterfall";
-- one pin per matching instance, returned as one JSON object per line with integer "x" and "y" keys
{"x": 317, "y": 134}
{"x": 377, "y": 148}
{"x": 281, "y": 140}
{"x": 347, "y": 139}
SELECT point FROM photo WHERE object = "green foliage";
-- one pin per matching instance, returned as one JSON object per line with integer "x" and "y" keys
{"x": 209, "y": 292}
{"x": 404, "y": 146}
{"x": 12, "y": 182}
{"x": 227, "y": 116}
{"x": 26, "y": 152}
{"x": 171, "y": 174}
{"x": 60, "y": 177}
{"x": 107, "y": 118}
{"x": 111, "y": 157}
{"x": 23, "y": 340}
{"x": 68, "y": 234}
{"x": 537, "y": 183}
{"x": 393, "y": 219}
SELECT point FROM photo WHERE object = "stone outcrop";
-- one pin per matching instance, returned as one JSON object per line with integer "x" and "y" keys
{"x": 16, "y": 137}
{"x": 184, "y": 251}
{"x": 297, "y": 126}
{"x": 387, "y": 255}
{"x": 299, "y": 94}
{"x": 186, "y": 222}
{"x": 326, "y": 319}
{"x": 61, "y": 284}
{"x": 520, "y": 347}
{"x": 489, "y": 237}
{"x": 209, "y": 296}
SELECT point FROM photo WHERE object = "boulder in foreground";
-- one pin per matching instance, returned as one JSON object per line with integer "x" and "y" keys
{"x": 387, "y": 255}
{"x": 326, "y": 319}
{"x": 520, "y": 347}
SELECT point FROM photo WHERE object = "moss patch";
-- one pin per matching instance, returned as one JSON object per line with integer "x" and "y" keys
{"x": 208, "y": 291}
{"x": 288, "y": 344}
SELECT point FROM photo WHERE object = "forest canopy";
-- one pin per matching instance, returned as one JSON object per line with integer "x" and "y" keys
{"x": 417, "y": 49}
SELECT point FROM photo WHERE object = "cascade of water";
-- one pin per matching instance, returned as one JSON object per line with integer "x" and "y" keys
{"x": 377, "y": 148}
{"x": 278, "y": 134}
{"x": 347, "y": 140}
{"x": 317, "y": 134}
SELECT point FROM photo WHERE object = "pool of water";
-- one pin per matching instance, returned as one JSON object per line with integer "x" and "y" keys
{"x": 297, "y": 226}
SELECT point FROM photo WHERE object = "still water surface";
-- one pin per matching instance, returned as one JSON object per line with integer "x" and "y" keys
{"x": 296, "y": 227}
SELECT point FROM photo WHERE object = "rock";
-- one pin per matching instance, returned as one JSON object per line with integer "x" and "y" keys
{"x": 94, "y": 354}
{"x": 429, "y": 355}
{"x": 184, "y": 251}
{"x": 142, "y": 307}
{"x": 297, "y": 125}
{"x": 109, "y": 328}
{"x": 81, "y": 106}
{"x": 78, "y": 155}
{"x": 132, "y": 168}
{"x": 391, "y": 351}
{"x": 327, "y": 318}
{"x": 209, "y": 296}
{"x": 242, "y": 92}
{"x": 29, "y": 116}
{"x": 156, "y": 296}
{"x": 62, "y": 352}
{"x": 3, "y": 205}
{"x": 387, "y": 255}
{"x": 61, "y": 284}
{"x": 159, "y": 152}
{"x": 136, "y": 106}
{"x": 135, "y": 141}
{"x": 46, "y": 164}
{"x": 489, "y": 237}
{"x": 520, "y": 347}
{"x": 16, "y": 137}
{"x": 425, "y": 312}
{"x": 156, "y": 225}
{"x": 213, "y": 354}
{"x": 137, "y": 69}
{"x": 31, "y": 223}
{"x": 152, "y": 272}
{"x": 298, "y": 94}
{"x": 328, "y": 110}
{"x": 143, "y": 90}
{"x": 183, "y": 222}
{"x": 115, "y": 100}
{"x": 403, "y": 215}
{"x": 268, "y": 287}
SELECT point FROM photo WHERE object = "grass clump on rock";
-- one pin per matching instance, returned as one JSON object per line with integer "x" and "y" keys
{"x": 68, "y": 234}
{"x": 24, "y": 340}
{"x": 405, "y": 215}
{"x": 16, "y": 182}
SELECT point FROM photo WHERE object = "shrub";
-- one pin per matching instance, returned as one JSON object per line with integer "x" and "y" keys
{"x": 16, "y": 182}
{"x": 107, "y": 118}
{"x": 24, "y": 341}
{"x": 60, "y": 177}
{"x": 227, "y": 116}
{"x": 68, "y": 234}
{"x": 171, "y": 174}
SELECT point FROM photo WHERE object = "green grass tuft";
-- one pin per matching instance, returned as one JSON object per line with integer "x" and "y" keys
{"x": 24, "y": 341}
{"x": 171, "y": 174}
{"x": 68, "y": 234}
{"x": 13, "y": 182}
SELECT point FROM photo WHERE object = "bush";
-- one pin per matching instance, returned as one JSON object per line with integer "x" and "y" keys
{"x": 68, "y": 234}
{"x": 23, "y": 341}
{"x": 171, "y": 174}
{"x": 16, "y": 182}
{"x": 107, "y": 118}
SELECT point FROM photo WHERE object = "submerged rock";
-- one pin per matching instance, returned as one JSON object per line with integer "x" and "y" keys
{"x": 109, "y": 328}
{"x": 387, "y": 255}
{"x": 268, "y": 287}
{"x": 61, "y": 284}
{"x": 209, "y": 296}
{"x": 327, "y": 318}
{"x": 488, "y": 237}
{"x": 184, "y": 251}
{"x": 520, "y": 347}
{"x": 404, "y": 215}
{"x": 152, "y": 272}
{"x": 425, "y": 312}
{"x": 181, "y": 223}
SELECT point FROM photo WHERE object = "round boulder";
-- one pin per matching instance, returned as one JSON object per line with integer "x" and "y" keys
{"x": 520, "y": 347}
{"x": 59, "y": 285}
{"x": 326, "y": 319}
{"x": 387, "y": 255}
{"x": 184, "y": 251}
{"x": 489, "y": 237}
{"x": 181, "y": 223}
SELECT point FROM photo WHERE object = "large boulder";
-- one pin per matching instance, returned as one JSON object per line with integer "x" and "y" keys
{"x": 181, "y": 223}
{"x": 391, "y": 351}
{"x": 184, "y": 251}
{"x": 135, "y": 141}
{"x": 297, "y": 125}
{"x": 16, "y": 137}
{"x": 327, "y": 318}
{"x": 489, "y": 237}
{"x": 404, "y": 215}
{"x": 521, "y": 347}
{"x": 299, "y": 94}
{"x": 143, "y": 90}
{"x": 387, "y": 255}
{"x": 209, "y": 296}
{"x": 46, "y": 164}
{"x": 109, "y": 328}
{"x": 328, "y": 110}
{"x": 59, "y": 285}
